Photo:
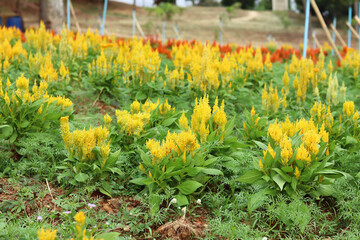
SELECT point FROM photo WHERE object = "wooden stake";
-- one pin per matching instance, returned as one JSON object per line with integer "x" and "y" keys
{"x": 74, "y": 16}
{"x": 323, "y": 24}
{"x": 352, "y": 30}
{"x": 177, "y": 33}
{"x": 316, "y": 41}
{"x": 357, "y": 19}
{"x": 338, "y": 35}
{"x": 138, "y": 26}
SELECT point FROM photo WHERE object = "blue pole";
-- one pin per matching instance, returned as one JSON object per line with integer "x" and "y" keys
{"x": 68, "y": 13}
{"x": 359, "y": 25}
{"x": 134, "y": 22}
{"x": 104, "y": 17}
{"x": 333, "y": 35}
{"x": 349, "y": 31}
{"x": 306, "y": 31}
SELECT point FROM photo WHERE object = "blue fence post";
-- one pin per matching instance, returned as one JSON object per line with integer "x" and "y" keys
{"x": 359, "y": 25}
{"x": 306, "y": 30}
{"x": 349, "y": 31}
{"x": 104, "y": 17}
{"x": 333, "y": 35}
{"x": 68, "y": 13}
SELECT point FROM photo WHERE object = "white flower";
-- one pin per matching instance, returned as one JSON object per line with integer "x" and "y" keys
{"x": 264, "y": 238}
{"x": 173, "y": 201}
{"x": 198, "y": 201}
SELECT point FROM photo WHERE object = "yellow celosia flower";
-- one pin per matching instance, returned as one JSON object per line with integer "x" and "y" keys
{"x": 269, "y": 150}
{"x": 46, "y": 234}
{"x": 107, "y": 120}
{"x": 80, "y": 218}
{"x": 22, "y": 83}
{"x": 303, "y": 154}
{"x": 286, "y": 150}
{"x": 183, "y": 121}
{"x": 252, "y": 113}
{"x": 275, "y": 132}
{"x": 348, "y": 108}
{"x": 200, "y": 118}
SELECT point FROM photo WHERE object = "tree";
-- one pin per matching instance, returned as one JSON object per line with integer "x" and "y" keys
{"x": 52, "y": 14}
{"x": 245, "y": 4}
{"x": 329, "y": 8}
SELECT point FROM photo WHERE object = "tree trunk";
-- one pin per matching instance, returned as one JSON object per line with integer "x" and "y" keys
{"x": 52, "y": 14}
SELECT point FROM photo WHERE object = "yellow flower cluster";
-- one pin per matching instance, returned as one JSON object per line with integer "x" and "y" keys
{"x": 183, "y": 143}
{"x": 350, "y": 113}
{"x": 270, "y": 99}
{"x": 281, "y": 133}
{"x": 201, "y": 116}
{"x": 46, "y": 234}
{"x": 310, "y": 135}
{"x": 132, "y": 123}
{"x": 37, "y": 92}
{"x": 352, "y": 61}
{"x": 11, "y": 52}
{"x": 79, "y": 226}
{"x": 254, "y": 120}
{"x": 320, "y": 114}
{"x": 348, "y": 109}
{"x": 80, "y": 143}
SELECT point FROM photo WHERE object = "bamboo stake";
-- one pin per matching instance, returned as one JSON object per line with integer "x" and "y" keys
{"x": 338, "y": 35}
{"x": 352, "y": 30}
{"x": 74, "y": 16}
{"x": 323, "y": 24}
{"x": 357, "y": 19}
{"x": 138, "y": 26}
{"x": 316, "y": 41}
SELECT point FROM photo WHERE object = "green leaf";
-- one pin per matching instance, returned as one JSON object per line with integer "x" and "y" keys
{"x": 6, "y": 131}
{"x": 24, "y": 124}
{"x": 294, "y": 183}
{"x": 256, "y": 200}
{"x": 212, "y": 171}
{"x": 279, "y": 181}
{"x": 145, "y": 158}
{"x": 350, "y": 140}
{"x": 250, "y": 177}
{"x": 103, "y": 191}
{"x": 260, "y": 145}
{"x": 188, "y": 187}
{"x": 325, "y": 190}
{"x": 210, "y": 161}
{"x": 13, "y": 137}
{"x": 140, "y": 181}
{"x": 181, "y": 200}
{"x": 155, "y": 202}
{"x": 168, "y": 122}
{"x": 81, "y": 177}
{"x": 108, "y": 236}
{"x": 140, "y": 96}
{"x": 282, "y": 174}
